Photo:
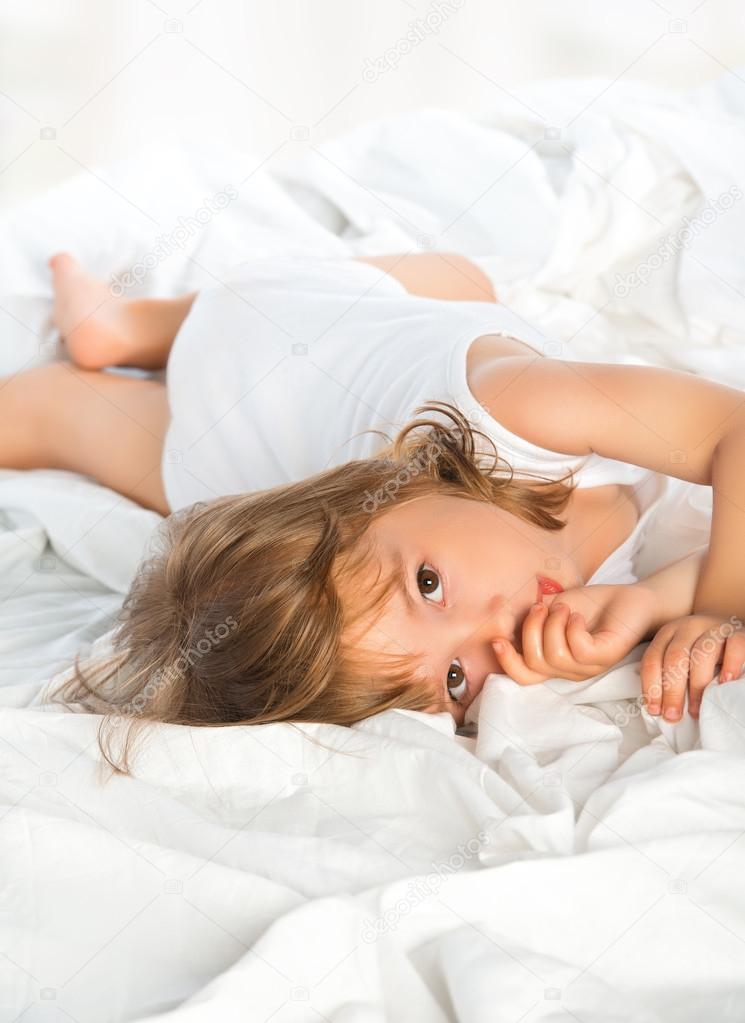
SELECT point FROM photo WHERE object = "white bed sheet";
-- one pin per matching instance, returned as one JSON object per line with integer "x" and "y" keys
{"x": 579, "y": 858}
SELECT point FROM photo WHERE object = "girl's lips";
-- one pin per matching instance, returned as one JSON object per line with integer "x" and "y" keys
{"x": 546, "y": 585}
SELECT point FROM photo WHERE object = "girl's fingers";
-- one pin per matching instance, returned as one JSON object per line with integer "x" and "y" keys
{"x": 705, "y": 654}
{"x": 676, "y": 663}
{"x": 577, "y": 637}
{"x": 651, "y": 669}
{"x": 514, "y": 665}
{"x": 544, "y": 640}
{"x": 546, "y": 653}
{"x": 586, "y": 648}
{"x": 556, "y": 652}
{"x": 734, "y": 657}
{"x": 532, "y": 638}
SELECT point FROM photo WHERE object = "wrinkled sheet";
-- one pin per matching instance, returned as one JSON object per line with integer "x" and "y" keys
{"x": 577, "y": 859}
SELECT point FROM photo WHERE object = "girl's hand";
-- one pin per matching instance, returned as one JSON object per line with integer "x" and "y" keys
{"x": 684, "y": 655}
{"x": 580, "y": 633}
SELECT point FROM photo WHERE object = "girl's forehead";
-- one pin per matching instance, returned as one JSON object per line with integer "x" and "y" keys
{"x": 421, "y": 510}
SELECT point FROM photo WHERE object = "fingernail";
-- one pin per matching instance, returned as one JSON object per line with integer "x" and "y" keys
{"x": 538, "y": 607}
{"x": 672, "y": 714}
{"x": 726, "y": 677}
{"x": 499, "y": 647}
{"x": 558, "y": 607}
{"x": 654, "y": 708}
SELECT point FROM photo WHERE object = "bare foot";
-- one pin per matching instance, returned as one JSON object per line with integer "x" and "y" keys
{"x": 97, "y": 328}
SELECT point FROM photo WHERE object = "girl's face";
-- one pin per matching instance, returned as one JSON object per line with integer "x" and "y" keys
{"x": 471, "y": 574}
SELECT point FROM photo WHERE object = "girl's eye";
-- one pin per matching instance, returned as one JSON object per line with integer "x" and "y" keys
{"x": 429, "y": 579}
{"x": 426, "y": 577}
{"x": 457, "y": 684}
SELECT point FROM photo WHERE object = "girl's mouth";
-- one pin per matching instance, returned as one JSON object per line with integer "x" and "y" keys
{"x": 546, "y": 585}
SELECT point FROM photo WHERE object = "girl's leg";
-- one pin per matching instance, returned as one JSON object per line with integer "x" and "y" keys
{"x": 101, "y": 329}
{"x": 107, "y": 426}
{"x": 445, "y": 275}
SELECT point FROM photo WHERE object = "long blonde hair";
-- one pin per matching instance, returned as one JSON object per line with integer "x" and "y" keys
{"x": 235, "y": 615}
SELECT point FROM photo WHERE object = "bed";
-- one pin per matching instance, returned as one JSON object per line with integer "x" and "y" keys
{"x": 571, "y": 858}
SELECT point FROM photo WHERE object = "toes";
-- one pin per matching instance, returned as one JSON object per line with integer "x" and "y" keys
{"x": 62, "y": 261}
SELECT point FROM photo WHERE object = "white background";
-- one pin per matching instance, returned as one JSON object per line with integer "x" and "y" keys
{"x": 105, "y": 77}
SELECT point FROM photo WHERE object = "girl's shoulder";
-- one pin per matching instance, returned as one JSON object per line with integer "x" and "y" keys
{"x": 487, "y": 349}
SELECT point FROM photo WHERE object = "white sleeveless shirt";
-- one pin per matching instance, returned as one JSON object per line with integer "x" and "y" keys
{"x": 277, "y": 374}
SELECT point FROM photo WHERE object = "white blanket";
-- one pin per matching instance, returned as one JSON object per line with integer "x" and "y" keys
{"x": 579, "y": 860}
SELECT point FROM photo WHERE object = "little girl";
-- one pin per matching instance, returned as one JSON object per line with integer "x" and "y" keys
{"x": 312, "y": 571}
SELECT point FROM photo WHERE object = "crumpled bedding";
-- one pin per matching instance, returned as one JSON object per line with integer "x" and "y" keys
{"x": 577, "y": 858}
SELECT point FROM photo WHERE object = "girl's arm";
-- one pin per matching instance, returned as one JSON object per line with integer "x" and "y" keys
{"x": 721, "y": 588}
{"x": 665, "y": 420}
{"x": 673, "y": 588}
